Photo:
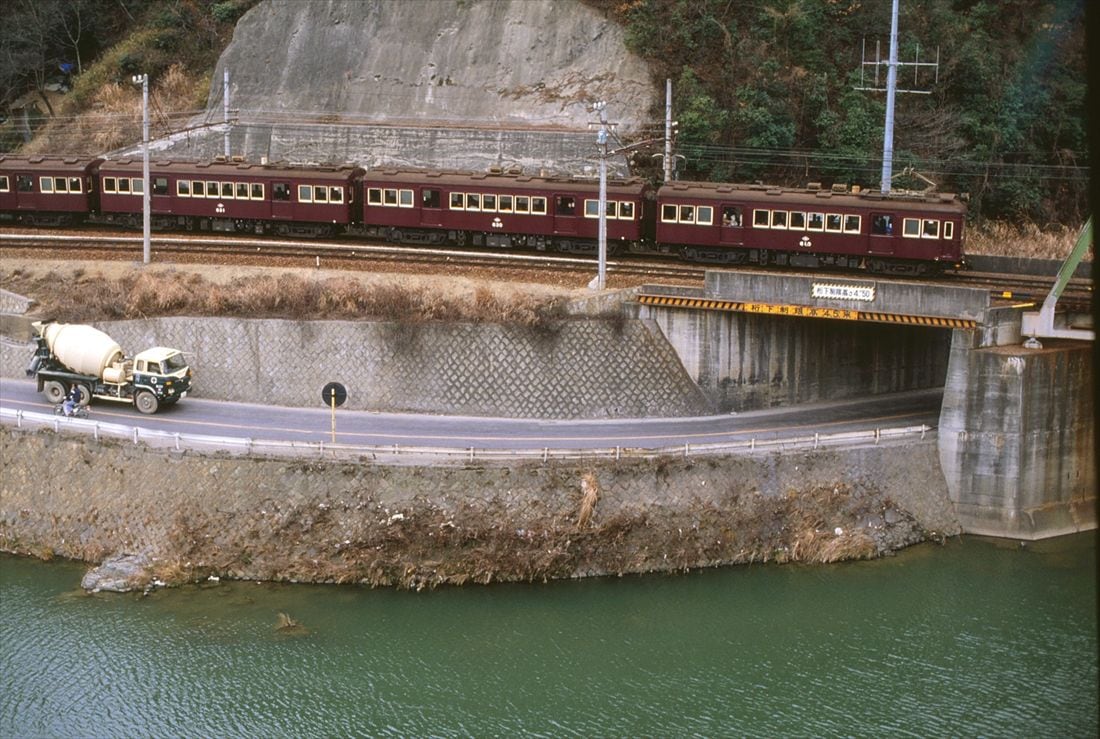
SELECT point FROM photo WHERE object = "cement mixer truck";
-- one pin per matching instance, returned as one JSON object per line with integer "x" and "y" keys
{"x": 71, "y": 355}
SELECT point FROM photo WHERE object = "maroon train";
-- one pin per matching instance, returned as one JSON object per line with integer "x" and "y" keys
{"x": 699, "y": 221}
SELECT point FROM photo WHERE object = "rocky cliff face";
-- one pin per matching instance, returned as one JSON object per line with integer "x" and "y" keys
{"x": 442, "y": 83}
{"x": 525, "y": 62}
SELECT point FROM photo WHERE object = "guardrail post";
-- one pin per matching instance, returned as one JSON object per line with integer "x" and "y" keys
{"x": 752, "y": 444}
{"x": 545, "y": 454}
{"x": 177, "y": 442}
{"x": 471, "y": 455}
{"x": 618, "y": 453}
{"x": 135, "y": 435}
{"x": 877, "y": 432}
{"x": 248, "y": 447}
{"x": 95, "y": 431}
{"x": 923, "y": 428}
{"x": 687, "y": 447}
{"x": 56, "y": 425}
{"x": 816, "y": 436}
{"x": 19, "y": 419}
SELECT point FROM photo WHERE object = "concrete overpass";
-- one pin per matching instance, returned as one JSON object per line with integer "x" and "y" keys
{"x": 1016, "y": 429}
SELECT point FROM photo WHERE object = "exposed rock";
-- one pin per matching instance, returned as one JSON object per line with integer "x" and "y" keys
{"x": 462, "y": 85}
{"x": 121, "y": 573}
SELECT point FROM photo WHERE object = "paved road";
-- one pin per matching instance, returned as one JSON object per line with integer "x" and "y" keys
{"x": 239, "y": 420}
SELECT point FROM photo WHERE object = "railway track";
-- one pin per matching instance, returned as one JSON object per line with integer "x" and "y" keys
{"x": 1014, "y": 288}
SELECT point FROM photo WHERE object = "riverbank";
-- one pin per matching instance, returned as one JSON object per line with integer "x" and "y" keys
{"x": 183, "y": 517}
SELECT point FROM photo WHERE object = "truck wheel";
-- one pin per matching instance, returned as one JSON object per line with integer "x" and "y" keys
{"x": 146, "y": 402}
{"x": 85, "y": 395}
{"x": 54, "y": 391}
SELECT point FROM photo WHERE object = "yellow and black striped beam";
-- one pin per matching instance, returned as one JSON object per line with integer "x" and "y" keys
{"x": 804, "y": 311}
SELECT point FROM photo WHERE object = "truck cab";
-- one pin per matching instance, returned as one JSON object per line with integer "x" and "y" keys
{"x": 160, "y": 376}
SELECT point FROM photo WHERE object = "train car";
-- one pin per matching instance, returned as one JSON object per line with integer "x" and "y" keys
{"x": 47, "y": 191}
{"x": 500, "y": 209}
{"x": 231, "y": 196}
{"x": 900, "y": 233}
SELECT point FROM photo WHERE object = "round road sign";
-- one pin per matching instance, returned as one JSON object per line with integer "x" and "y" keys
{"x": 334, "y": 393}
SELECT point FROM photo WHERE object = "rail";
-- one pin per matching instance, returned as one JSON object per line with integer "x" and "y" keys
{"x": 399, "y": 455}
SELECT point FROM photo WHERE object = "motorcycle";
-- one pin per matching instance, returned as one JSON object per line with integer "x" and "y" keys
{"x": 78, "y": 411}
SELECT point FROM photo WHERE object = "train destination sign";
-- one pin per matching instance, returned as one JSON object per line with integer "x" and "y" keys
{"x": 834, "y": 291}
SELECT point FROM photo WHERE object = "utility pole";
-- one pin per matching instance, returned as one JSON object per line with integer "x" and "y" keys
{"x": 891, "y": 90}
{"x": 225, "y": 109}
{"x": 668, "y": 130}
{"x": 143, "y": 80}
{"x": 601, "y": 141}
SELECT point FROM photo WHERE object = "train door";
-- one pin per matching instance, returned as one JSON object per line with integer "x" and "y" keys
{"x": 730, "y": 232}
{"x": 431, "y": 207}
{"x": 565, "y": 214}
{"x": 282, "y": 206}
{"x": 160, "y": 201}
{"x": 883, "y": 226}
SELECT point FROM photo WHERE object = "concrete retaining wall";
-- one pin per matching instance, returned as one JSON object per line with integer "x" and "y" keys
{"x": 189, "y": 516}
{"x": 570, "y": 369}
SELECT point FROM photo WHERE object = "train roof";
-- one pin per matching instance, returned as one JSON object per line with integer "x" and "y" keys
{"x": 505, "y": 179}
{"x": 811, "y": 196}
{"x": 43, "y": 163}
{"x": 234, "y": 168}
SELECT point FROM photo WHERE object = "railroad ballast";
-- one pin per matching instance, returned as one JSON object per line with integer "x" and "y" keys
{"x": 724, "y": 223}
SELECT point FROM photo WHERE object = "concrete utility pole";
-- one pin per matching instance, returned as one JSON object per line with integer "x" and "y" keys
{"x": 143, "y": 80}
{"x": 601, "y": 141}
{"x": 891, "y": 93}
{"x": 668, "y": 130}
{"x": 225, "y": 109}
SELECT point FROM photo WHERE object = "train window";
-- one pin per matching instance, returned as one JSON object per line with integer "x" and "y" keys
{"x": 612, "y": 211}
{"x": 74, "y": 184}
{"x": 816, "y": 222}
{"x": 374, "y": 196}
{"x": 949, "y": 229}
{"x": 305, "y": 194}
{"x": 242, "y": 191}
{"x": 489, "y": 203}
{"x": 45, "y": 184}
{"x": 523, "y": 204}
{"x": 257, "y": 191}
{"x": 458, "y": 200}
{"x": 910, "y": 228}
{"x": 591, "y": 208}
{"x": 183, "y": 188}
{"x": 798, "y": 220}
{"x": 227, "y": 190}
{"x": 198, "y": 189}
{"x": 280, "y": 191}
{"x": 336, "y": 194}
{"x": 212, "y": 189}
{"x": 4, "y": 187}
{"x": 429, "y": 198}
{"x": 731, "y": 216}
{"x": 160, "y": 186}
{"x": 779, "y": 219}
{"x": 123, "y": 184}
{"x": 760, "y": 218}
{"x": 320, "y": 194}
{"x": 882, "y": 224}
{"x": 833, "y": 222}
{"x": 504, "y": 203}
{"x": 405, "y": 198}
{"x": 687, "y": 214}
{"x": 389, "y": 196}
{"x": 538, "y": 205}
{"x": 473, "y": 201}
{"x": 137, "y": 186}
{"x": 23, "y": 183}
{"x": 565, "y": 205}
{"x": 668, "y": 213}
{"x": 626, "y": 210}
{"x": 704, "y": 215}
{"x": 108, "y": 184}
{"x": 931, "y": 229}
{"x": 60, "y": 184}
{"x": 851, "y": 224}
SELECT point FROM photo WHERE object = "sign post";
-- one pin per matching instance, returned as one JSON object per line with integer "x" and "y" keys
{"x": 332, "y": 395}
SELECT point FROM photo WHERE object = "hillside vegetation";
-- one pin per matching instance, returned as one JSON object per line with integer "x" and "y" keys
{"x": 763, "y": 89}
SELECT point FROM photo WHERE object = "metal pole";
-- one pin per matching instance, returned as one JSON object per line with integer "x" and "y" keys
{"x": 668, "y": 130}
{"x": 145, "y": 250}
{"x": 602, "y": 141}
{"x": 225, "y": 109}
{"x": 891, "y": 91}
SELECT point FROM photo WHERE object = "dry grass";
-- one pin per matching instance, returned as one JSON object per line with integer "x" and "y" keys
{"x": 82, "y": 297}
{"x": 590, "y": 493}
{"x": 1004, "y": 239}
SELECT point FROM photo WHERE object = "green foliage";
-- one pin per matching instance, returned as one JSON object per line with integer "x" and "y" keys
{"x": 766, "y": 89}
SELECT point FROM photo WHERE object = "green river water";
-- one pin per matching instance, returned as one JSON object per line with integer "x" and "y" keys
{"x": 975, "y": 637}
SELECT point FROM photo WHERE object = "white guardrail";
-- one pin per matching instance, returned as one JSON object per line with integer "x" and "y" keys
{"x": 395, "y": 454}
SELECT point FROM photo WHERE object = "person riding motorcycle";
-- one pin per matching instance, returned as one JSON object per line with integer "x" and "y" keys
{"x": 72, "y": 400}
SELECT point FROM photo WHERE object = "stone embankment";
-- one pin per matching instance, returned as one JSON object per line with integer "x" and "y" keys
{"x": 157, "y": 517}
